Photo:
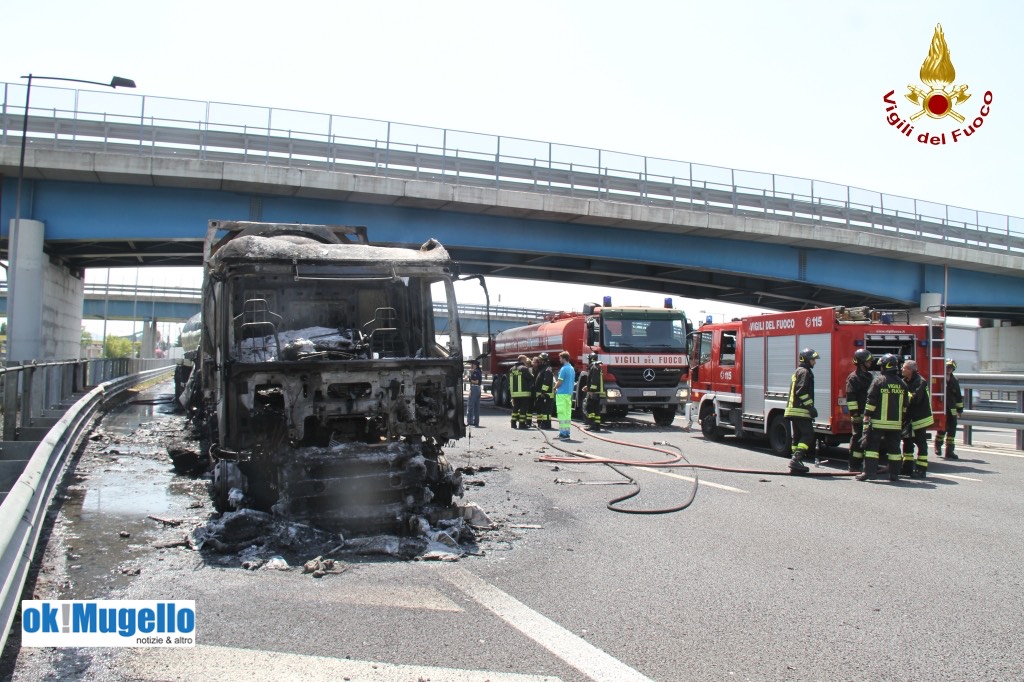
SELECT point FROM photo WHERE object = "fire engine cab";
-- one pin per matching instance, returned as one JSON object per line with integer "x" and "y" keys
{"x": 740, "y": 371}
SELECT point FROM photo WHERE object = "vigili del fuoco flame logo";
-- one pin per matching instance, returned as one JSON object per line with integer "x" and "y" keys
{"x": 939, "y": 101}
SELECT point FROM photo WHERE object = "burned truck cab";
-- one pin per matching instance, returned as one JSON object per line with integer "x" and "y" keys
{"x": 329, "y": 389}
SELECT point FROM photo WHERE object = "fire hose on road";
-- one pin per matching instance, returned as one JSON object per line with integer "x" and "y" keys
{"x": 675, "y": 460}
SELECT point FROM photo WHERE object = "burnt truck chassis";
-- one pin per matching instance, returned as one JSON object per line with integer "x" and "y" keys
{"x": 343, "y": 433}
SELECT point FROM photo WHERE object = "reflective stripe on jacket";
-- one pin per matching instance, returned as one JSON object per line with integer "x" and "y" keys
{"x": 545, "y": 382}
{"x": 519, "y": 382}
{"x": 954, "y": 396}
{"x": 919, "y": 408}
{"x": 886, "y": 403}
{"x": 857, "y": 391}
{"x": 596, "y": 378}
{"x": 801, "y": 393}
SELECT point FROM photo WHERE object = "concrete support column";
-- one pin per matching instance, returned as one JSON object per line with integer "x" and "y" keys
{"x": 25, "y": 291}
{"x": 475, "y": 346}
{"x": 148, "y": 348}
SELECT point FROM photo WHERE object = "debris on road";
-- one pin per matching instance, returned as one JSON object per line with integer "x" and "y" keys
{"x": 167, "y": 544}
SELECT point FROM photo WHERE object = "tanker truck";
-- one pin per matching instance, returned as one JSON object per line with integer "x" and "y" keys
{"x": 643, "y": 352}
{"x": 326, "y": 390}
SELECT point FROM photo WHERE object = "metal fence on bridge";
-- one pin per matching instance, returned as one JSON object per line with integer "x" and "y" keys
{"x": 1012, "y": 384}
{"x": 160, "y": 127}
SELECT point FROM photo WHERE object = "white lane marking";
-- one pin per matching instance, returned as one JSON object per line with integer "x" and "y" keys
{"x": 576, "y": 651}
{"x": 691, "y": 479}
{"x": 983, "y": 451}
{"x": 208, "y": 662}
{"x": 958, "y": 478}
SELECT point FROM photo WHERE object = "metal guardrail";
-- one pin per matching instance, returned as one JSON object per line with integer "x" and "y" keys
{"x": 31, "y": 390}
{"x": 23, "y": 510}
{"x": 1004, "y": 383}
{"x": 94, "y": 121}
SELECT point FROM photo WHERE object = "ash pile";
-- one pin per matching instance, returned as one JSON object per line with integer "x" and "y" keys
{"x": 257, "y": 540}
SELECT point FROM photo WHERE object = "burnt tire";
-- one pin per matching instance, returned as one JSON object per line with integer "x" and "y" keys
{"x": 664, "y": 416}
{"x": 778, "y": 436}
{"x": 579, "y": 408}
{"x": 709, "y": 427}
{"x": 501, "y": 393}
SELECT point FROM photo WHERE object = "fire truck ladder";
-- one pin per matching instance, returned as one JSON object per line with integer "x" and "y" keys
{"x": 937, "y": 362}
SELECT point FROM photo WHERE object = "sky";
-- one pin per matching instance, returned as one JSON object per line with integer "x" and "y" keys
{"x": 791, "y": 88}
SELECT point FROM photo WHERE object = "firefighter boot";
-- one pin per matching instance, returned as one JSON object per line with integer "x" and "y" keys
{"x": 949, "y": 451}
{"x": 895, "y": 466}
{"x": 938, "y": 446}
{"x": 870, "y": 469}
{"x": 857, "y": 463}
{"x": 796, "y": 466}
{"x": 908, "y": 466}
{"x": 919, "y": 471}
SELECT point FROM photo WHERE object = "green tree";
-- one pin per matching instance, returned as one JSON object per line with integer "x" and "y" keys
{"x": 118, "y": 347}
{"x": 86, "y": 337}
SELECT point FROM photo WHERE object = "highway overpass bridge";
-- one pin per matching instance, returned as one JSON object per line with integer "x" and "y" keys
{"x": 126, "y": 180}
{"x": 176, "y": 304}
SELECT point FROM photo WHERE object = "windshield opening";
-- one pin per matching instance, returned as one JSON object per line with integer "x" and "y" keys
{"x": 276, "y": 318}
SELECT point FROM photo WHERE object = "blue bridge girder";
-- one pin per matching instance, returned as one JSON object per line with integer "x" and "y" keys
{"x": 117, "y": 189}
{"x": 178, "y": 304}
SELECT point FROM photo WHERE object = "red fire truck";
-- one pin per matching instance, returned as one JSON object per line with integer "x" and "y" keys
{"x": 643, "y": 352}
{"x": 741, "y": 370}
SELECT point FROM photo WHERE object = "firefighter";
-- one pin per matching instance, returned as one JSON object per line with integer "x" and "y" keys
{"x": 919, "y": 418}
{"x": 520, "y": 379}
{"x": 595, "y": 393}
{"x": 544, "y": 392}
{"x": 954, "y": 410}
{"x": 856, "y": 395}
{"x": 884, "y": 411}
{"x": 800, "y": 410}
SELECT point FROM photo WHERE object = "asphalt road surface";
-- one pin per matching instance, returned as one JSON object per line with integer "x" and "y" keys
{"x": 763, "y": 577}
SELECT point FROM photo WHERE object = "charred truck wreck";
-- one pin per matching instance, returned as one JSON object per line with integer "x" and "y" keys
{"x": 320, "y": 377}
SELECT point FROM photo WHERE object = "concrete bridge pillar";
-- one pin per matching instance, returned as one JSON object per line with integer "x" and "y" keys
{"x": 25, "y": 291}
{"x": 148, "y": 348}
{"x": 475, "y": 346}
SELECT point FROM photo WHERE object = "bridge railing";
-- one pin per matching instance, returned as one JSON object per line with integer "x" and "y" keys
{"x": 30, "y": 391}
{"x": 1012, "y": 384}
{"x": 84, "y": 120}
{"x": 144, "y": 292}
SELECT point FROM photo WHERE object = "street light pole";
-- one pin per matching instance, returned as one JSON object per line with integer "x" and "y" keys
{"x": 115, "y": 82}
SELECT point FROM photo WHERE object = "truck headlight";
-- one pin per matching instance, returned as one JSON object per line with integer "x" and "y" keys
{"x": 683, "y": 393}
{"x": 613, "y": 393}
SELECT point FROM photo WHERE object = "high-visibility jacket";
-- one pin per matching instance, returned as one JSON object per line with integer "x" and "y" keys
{"x": 919, "y": 408}
{"x": 596, "y": 377}
{"x": 544, "y": 384}
{"x": 887, "y": 402}
{"x": 857, "y": 390}
{"x": 801, "y": 393}
{"x": 519, "y": 381}
{"x": 954, "y": 396}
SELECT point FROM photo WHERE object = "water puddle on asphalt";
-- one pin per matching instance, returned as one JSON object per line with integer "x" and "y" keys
{"x": 124, "y": 477}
